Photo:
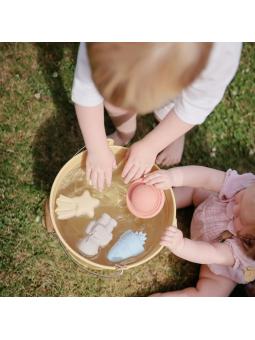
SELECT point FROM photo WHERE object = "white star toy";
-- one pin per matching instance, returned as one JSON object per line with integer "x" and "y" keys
{"x": 68, "y": 207}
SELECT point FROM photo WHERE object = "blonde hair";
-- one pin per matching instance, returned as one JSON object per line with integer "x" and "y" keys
{"x": 142, "y": 77}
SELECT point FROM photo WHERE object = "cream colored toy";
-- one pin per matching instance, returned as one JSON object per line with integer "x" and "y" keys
{"x": 99, "y": 234}
{"x": 68, "y": 207}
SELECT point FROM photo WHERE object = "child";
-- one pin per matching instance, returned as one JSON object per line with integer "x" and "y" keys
{"x": 222, "y": 227}
{"x": 182, "y": 82}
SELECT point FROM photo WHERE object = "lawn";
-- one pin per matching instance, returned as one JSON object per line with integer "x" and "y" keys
{"x": 39, "y": 133}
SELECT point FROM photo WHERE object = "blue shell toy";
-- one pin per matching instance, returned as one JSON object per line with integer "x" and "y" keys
{"x": 129, "y": 244}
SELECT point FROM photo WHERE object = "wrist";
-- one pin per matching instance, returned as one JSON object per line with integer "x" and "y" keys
{"x": 176, "y": 177}
{"x": 148, "y": 146}
{"x": 178, "y": 249}
{"x": 151, "y": 144}
{"x": 98, "y": 147}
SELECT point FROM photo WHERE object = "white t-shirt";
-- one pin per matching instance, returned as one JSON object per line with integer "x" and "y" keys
{"x": 193, "y": 104}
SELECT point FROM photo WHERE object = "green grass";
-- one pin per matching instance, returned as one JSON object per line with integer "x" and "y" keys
{"x": 39, "y": 133}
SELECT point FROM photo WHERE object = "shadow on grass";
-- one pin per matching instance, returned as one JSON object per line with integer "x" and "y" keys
{"x": 59, "y": 138}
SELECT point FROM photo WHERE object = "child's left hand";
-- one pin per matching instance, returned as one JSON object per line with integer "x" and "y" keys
{"x": 173, "y": 239}
{"x": 140, "y": 161}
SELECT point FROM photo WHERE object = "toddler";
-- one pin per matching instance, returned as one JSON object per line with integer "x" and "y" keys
{"x": 222, "y": 227}
{"x": 181, "y": 82}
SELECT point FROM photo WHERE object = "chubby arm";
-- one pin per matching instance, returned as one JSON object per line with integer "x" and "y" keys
{"x": 205, "y": 253}
{"x": 199, "y": 177}
{"x": 197, "y": 251}
{"x": 194, "y": 176}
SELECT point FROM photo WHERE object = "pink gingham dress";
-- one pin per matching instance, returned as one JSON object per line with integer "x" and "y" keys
{"x": 215, "y": 215}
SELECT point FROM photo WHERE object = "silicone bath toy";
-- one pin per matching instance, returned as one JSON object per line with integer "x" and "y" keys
{"x": 68, "y": 207}
{"x": 109, "y": 222}
{"x": 88, "y": 246}
{"x": 143, "y": 200}
{"x": 129, "y": 244}
{"x": 99, "y": 234}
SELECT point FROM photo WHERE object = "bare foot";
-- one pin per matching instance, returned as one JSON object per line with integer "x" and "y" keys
{"x": 121, "y": 138}
{"x": 172, "y": 154}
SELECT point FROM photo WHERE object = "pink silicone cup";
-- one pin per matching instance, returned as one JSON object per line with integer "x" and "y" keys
{"x": 159, "y": 200}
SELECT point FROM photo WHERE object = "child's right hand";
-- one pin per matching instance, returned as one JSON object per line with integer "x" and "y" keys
{"x": 161, "y": 179}
{"x": 99, "y": 167}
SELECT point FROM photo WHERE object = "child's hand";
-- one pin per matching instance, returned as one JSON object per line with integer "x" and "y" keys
{"x": 173, "y": 239}
{"x": 99, "y": 167}
{"x": 161, "y": 179}
{"x": 140, "y": 161}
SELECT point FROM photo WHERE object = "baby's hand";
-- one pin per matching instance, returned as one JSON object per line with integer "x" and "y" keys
{"x": 99, "y": 167}
{"x": 140, "y": 161}
{"x": 173, "y": 239}
{"x": 161, "y": 179}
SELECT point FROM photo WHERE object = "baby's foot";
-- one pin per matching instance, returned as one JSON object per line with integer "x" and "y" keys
{"x": 121, "y": 138}
{"x": 172, "y": 154}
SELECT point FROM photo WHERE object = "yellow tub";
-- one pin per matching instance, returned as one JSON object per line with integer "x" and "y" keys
{"x": 70, "y": 181}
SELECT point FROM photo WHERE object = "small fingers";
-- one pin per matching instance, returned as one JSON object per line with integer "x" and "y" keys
{"x": 100, "y": 180}
{"x": 108, "y": 177}
{"x": 127, "y": 168}
{"x": 157, "y": 179}
{"x": 94, "y": 178}
{"x": 114, "y": 164}
{"x": 152, "y": 175}
{"x": 164, "y": 243}
{"x": 168, "y": 238}
{"x": 153, "y": 180}
{"x": 172, "y": 230}
{"x": 88, "y": 174}
{"x": 138, "y": 174}
{"x": 160, "y": 186}
{"x": 130, "y": 174}
{"x": 147, "y": 169}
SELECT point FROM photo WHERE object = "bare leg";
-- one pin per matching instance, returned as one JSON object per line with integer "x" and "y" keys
{"x": 124, "y": 122}
{"x": 172, "y": 154}
{"x": 200, "y": 195}
{"x": 209, "y": 284}
{"x": 186, "y": 196}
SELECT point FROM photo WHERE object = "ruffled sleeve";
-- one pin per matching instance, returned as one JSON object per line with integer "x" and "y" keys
{"x": 234, "y": 183}
{"x": 242, "y": 263}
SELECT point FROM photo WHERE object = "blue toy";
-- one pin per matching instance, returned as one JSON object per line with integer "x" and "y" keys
{"x": 129, "y": 244}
